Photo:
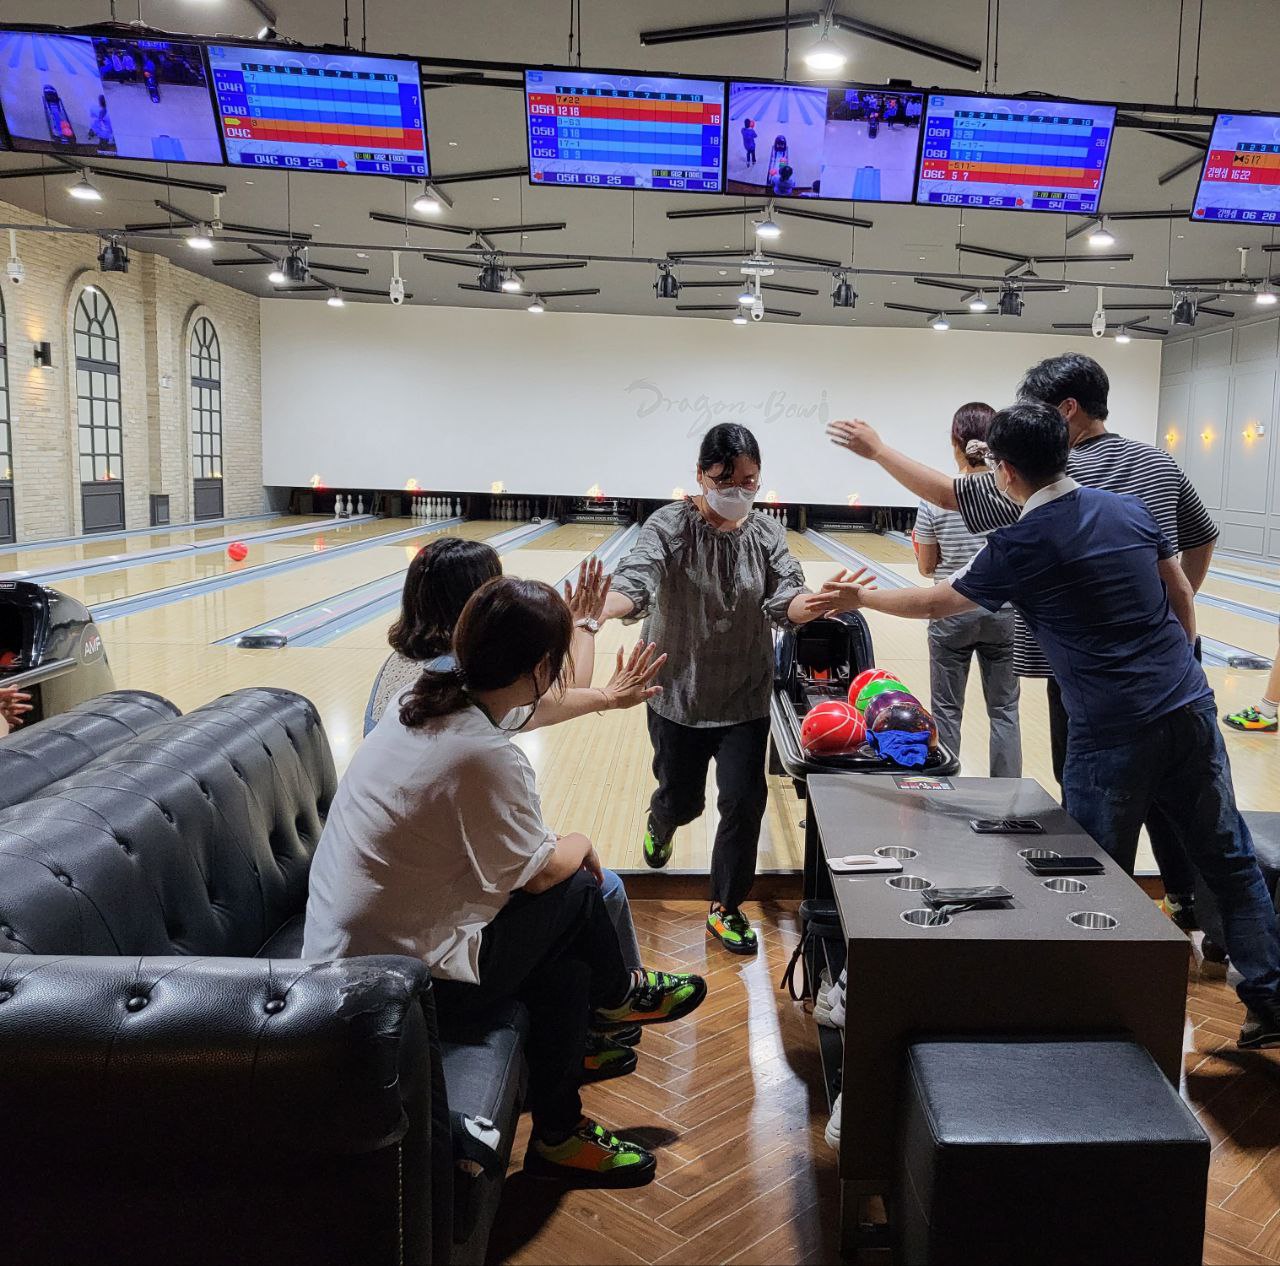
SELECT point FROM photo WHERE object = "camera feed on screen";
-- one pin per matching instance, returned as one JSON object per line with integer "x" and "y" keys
{"x": 1240, "y": 181}
{"x": 307, "y": 110}
{"x": 794, "y": 141}
{"x": 100, "y": 96}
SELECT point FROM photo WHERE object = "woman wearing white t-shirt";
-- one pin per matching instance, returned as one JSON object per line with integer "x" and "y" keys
{"x": 435, "y": 847}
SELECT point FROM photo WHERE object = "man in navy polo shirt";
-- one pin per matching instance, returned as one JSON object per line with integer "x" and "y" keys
{"x": 1101, "y": 589}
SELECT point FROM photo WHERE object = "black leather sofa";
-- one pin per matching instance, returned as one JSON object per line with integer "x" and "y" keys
{"x": 180, "y": 1087}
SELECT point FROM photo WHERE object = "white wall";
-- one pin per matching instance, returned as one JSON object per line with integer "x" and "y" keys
{"x": 461, "y": 398}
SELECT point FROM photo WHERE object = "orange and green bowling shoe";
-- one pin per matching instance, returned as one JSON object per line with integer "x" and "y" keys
{"x": 656, "y": 998}
{"x": 657, "y": 844}
{"x": 605, "y": 1058}
{"x": 733, "y": 930}
{"x": 1252, "y": 720}
{"x": 591, "y": 1157}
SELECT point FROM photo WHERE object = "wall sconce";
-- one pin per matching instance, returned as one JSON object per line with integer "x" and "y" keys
{"x": 1206, "y": 435}
{"x": 1171, "y": 438}
{"x": 43, "y": 355}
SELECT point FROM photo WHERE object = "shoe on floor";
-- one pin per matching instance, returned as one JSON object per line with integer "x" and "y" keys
{"x": 1260, "y": 1031}
{"x": 832, "y": 1132}
{"x": 591, "y": 1157}
{"x": 829, "y": 1010}
{"x": 657, "y": 844}
{"x": 630, "y": 1036}
{"x": 606, "y": 1058}
{"x": 1252, "y": 720}
{"x": 1181, "y": 910}
{"x": 658, "y": 999}
{"x": 733, "y": 930}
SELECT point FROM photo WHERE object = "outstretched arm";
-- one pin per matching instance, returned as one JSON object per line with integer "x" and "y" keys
{"x": 863, "y": 440}
{"x": 632, "y": 683}
{"x": 853, "y": 591}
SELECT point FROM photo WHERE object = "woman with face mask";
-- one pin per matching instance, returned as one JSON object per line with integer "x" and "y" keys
{"x": 435, "y": 847}
{"x": 709, "y": 578}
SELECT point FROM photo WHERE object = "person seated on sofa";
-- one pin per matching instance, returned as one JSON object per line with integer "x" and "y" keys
{"x": 435, "y": 847}
{"x": 441, "y": 578}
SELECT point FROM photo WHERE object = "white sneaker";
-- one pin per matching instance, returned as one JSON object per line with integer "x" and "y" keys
{"x": 830, "y": 1004}
{"x": 824, "y": 988}
{"x": 836, "y": 1020}
{"x": 832, "y": 1132}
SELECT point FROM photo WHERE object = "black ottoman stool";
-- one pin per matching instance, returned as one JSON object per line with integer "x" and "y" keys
{"x": 1017, "y": 1150}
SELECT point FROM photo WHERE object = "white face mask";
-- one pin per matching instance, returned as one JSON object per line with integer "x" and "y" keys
{"x": 515, "y": 720}
{"x": 733, "y": 504}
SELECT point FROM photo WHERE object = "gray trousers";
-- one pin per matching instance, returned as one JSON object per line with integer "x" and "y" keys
{"x": 953, "y": 642}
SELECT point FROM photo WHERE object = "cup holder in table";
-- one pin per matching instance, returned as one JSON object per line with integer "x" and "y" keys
{"x": 898, "y": 852}
{"x": 1093, "y": 920}
{"x": 925, "y": 918}
{"x": 1065, "y": 885}
{"x": 907, "y": 883}
{"x": 1037, "y": 854}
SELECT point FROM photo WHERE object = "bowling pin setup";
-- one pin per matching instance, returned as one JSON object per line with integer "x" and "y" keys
{"x": 347, "y": 509}
{"x": 515, "y": 510}
{"x": 430, "y": 509}
{"x": 774, "y": 512}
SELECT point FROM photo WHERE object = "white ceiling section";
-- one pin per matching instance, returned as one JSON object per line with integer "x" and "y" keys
{"x": 1095, "y": 49}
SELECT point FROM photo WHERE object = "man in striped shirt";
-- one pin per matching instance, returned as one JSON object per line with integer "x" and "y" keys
{"x": 1078, "y": 387}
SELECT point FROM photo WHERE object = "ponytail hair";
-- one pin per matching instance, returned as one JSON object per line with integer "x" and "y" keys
{"x": 971, "y": 422}
{"x": 508, "y": 628}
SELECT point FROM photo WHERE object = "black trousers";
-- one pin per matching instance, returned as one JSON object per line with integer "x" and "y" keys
{"x": 681, "y": 755}
{"x": 1166, "y": 841}
{"x": 556, "y": 952}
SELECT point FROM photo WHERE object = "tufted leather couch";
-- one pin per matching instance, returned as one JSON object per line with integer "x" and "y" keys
{"x": 179, "y": 1086}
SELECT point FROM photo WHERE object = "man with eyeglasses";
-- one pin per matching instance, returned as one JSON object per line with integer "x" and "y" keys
{"x": 1078, "y": 387}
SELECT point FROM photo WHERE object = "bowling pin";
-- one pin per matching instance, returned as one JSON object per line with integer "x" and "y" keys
{"x": 439, "y": 512}
{"x": 360, "y": 504}
{"x": 351, "y": 509}
{"x": 337, "y": 508}
{"x": 457, "y": 508}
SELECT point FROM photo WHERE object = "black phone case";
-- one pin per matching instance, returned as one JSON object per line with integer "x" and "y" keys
{"x": 1056, "y": 866}
{"x": 1005, "y": 826}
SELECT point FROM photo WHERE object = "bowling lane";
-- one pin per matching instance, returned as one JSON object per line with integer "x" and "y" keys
{"x": 91, "y": 548}
{"x": 129, "y": 580}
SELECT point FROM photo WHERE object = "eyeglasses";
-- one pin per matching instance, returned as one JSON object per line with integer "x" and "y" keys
{"x": 751, "y": 483}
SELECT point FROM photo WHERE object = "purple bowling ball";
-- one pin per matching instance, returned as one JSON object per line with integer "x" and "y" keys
{"x": 881, "y": 702}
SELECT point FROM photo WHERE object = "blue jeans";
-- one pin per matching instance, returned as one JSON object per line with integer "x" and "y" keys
{"x": 619, "y": 908}
{"x": 1179, "y": 764}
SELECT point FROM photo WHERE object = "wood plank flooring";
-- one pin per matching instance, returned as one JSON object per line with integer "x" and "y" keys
{"x": 732, "y": 1101}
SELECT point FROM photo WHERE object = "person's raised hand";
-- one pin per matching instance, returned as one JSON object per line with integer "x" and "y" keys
{"x": 859, "y": 437}
{"x": 632, "y": 680}
{"x": 586, "y": 601}
{"x": 845, "y": 588}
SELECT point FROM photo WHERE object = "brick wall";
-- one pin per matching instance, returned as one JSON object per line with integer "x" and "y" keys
{"x": 156, "y": 304}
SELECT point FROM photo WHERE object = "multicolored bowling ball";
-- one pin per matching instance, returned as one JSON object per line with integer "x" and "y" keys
{"x": 882, "y": 686}
{"x": 886, "y": 699}
{"x": 863, "y": 679}
{"x": 908, "y": 716}
{"x": 831, "y": 728}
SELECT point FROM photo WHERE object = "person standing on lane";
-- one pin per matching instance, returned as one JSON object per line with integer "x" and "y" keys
{"x": 709, "y": 578}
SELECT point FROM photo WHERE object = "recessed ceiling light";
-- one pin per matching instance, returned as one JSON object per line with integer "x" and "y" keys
{"x": 1181, "y": 236}
{"x": 496, "y": 198}
{"x": 362, "y": 254}
{"x": 248, "y": 182}
{"x": 315, "y": 226}
{"x": 454, "y": 144}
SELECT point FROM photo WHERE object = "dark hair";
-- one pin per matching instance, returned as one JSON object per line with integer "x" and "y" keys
{"x": 724, "y": 443}
{"x": 1032, "y": 438}
{"x": 508, "y": 627}
{"x": 1070, "y": 377}
{"x": 443, "y": 575}
{"x": 786, "y": 171}
{"x": 971, "y": 422}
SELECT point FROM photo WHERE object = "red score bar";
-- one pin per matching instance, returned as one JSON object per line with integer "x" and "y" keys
{"x": 997, "y": 173}
{"x": 553, "y": 105}
{"x": 300, "y": 133}
{"x": 1242, "y": 167}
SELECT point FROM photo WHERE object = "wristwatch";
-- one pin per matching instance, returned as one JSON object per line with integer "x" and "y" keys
{"x": 591, "y": 626}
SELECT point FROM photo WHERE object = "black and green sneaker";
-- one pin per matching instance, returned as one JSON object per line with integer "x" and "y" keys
{"x": 658, "y": 998}
{"x": 657, "y": 844}
{"x": 733, "y": 930}
{"x": 630, "y": 1036}
{"x": 591, "y": 1157}
{"x": 606, "y": 1058}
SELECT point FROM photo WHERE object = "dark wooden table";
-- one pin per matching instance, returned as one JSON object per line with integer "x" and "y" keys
{"x": 1024, "y": 969}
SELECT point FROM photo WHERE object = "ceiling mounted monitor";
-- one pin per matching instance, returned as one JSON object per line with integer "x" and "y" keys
{"x": 1240, "y": 179}
{"x": 629, "y": 130}
{"x": 852, "y": 144}
{"x": 1014, "y": 153}
{"x": 107, "y": 96}
{"x": 299, "y": 109}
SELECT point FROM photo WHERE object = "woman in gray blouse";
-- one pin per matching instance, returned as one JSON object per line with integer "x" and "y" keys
{"x": 709, "y": 577}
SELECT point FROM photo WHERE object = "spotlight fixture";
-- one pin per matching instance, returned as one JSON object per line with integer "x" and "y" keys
{"x": 295, "y": 267}
{"x": 276, "y": 276}
{"x": 739, "y": 317}
{"x": 42, "y": 354}
{"x": 1123, "y": 336}
{"x": 667, "y": 285}
{"x": 1010, "y": 302}
{"x": 512, "y": 282}
{"x": 767, "y": 228}
{"x": 113, "y": 258}
{"x": 979, "y": 303}
{"x": 825, "y": 54}
{"x": 1266, "y": 296}
{"x": 84, "y": 189}
{"x": 940, "y": 322}
{"x": 536, "y": 306}
{"x": 199, "y": 239}
{"x": 1184, "y": 309}
{"x": 15, "y": 269}
{"x": 1101, "y": 236}
{"x": 490, "y": 278}
{"x": 747, "y": 295}
{"x": 844, "y": 295}
{"x": 267, "y": 33}
{"x": 335, "y": 300}
{"x": 426, "y": 203}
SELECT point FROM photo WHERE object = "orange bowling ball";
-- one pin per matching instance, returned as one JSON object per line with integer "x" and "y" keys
{"x": 237, "y": 551}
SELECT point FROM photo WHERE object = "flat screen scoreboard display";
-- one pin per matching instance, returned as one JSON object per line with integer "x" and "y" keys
{"x": 1013, "y": 154}
{"x": 1240, "y": 180}
{"x": 107, "y": 96}
{"x": 303, "y": 110}
{"x": 628, "y": 131}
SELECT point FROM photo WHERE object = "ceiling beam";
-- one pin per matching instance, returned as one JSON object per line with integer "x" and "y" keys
{"x": 494, "y": 173}
{"x": 908, "y": 43}
{"x": 719, "y": 30}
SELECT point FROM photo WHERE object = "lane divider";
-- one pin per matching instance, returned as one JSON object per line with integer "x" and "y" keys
{"x": 610, "y": 553}
{"x": 146, "y": 531}
{"x": 118, "y": 607}
{"x": 123, "y": 562}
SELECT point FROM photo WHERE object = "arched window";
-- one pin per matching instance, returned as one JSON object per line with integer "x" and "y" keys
{"x": 6, "y": 440}
{"x": 206, "y": 419}
{"x": 97, "y": 344}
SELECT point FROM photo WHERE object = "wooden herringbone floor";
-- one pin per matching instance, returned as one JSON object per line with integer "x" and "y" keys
{"x": 732, "y": 1101}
